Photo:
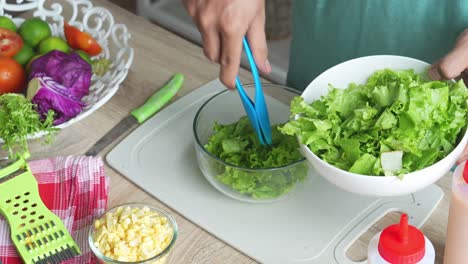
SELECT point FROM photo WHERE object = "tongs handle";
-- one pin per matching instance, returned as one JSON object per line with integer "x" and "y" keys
{"x": 257, "y": 112}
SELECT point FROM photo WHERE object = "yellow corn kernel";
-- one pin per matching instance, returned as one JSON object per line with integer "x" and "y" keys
{"x": 132, "y": 234}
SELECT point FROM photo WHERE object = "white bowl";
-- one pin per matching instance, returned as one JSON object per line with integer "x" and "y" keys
{"x": 357, "y": 71}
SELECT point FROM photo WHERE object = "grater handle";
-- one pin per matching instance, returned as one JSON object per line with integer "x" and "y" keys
{"x": 11, "y": 168}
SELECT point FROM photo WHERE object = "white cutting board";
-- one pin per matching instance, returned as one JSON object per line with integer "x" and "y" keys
{"x": 316, "y": 224}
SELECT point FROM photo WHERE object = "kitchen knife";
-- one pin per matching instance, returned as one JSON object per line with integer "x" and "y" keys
{"x": 139, "y": 115}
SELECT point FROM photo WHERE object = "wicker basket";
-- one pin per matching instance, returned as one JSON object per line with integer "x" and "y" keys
{"x": 97, "y": 21}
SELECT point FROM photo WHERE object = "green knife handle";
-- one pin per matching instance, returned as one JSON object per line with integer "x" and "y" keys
{"x": 159, "y": 99}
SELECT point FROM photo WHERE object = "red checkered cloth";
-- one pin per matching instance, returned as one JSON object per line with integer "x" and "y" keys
{"x": 75, "y": 189}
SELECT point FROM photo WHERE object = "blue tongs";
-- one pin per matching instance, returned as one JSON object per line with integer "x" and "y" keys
{"x": 258, "y": 112}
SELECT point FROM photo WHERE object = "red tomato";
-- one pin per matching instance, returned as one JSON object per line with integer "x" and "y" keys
{"x": 10, "y": 43}
{"x": 12, "y": 77}
{"x": 81, "y": 40}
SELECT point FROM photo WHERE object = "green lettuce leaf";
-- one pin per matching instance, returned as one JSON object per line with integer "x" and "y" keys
{"x": 237, "y": 144}
{"x": 393, "y": 110}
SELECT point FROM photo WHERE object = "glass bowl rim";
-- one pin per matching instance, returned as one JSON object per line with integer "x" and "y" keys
{"x": 200, "y": 145}
{"x": 166, "y": 250}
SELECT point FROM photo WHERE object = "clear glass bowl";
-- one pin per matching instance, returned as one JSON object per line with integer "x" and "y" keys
{"x": 226, "y": 108}
{"x": 161, "y": 258}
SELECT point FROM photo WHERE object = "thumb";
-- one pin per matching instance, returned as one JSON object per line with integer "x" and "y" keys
{"x": 258, "y": 44}
{"x": 454, "y": 63}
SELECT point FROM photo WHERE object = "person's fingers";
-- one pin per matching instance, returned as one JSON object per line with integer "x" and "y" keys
{"x": 434, "y": 71}
{"x": 211, "y": 43}
{"x": 191, "y": 7}
{"x": 258, "y": 44}
{"x": 465, "y": 77}
{"x": 454, "y": 63}
{"x": 207, "y": 23}
{"x": 231, "y": 41}
{"x": 223, "y": 24}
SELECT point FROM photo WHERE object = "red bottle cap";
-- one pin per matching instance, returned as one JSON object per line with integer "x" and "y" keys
{"x": 402, "y": 243}
{"x": 465, "y": 172}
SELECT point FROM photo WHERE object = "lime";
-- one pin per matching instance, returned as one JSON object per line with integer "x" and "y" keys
{"x": 84, "y": 56}
{"x": 101, "y": 66}
{"x": 6, "y": 22}
{"x": 34, "y": 30}
{"x": 53, "y": 43}
{"x": 24, "y": 55}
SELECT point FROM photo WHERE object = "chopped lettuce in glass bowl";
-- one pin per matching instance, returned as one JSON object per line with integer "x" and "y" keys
{"x": 378, "y": 126}
{"x": 231, "y": 157}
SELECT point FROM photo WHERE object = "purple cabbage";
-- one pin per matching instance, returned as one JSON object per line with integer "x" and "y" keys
{"x": 69, "y": 70}
{"x": 51, "y": 95}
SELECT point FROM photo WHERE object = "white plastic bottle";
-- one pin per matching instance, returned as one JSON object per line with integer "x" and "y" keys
{"x": 400, "y": 244}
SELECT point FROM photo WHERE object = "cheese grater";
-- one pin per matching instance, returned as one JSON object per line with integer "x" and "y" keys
{"x": 38, "y": 235}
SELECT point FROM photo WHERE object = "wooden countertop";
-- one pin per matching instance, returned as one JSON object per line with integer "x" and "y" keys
{"x": 158, "y": 55}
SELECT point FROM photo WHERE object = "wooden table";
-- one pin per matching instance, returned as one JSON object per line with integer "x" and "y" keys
{"x": 158, "y": 55}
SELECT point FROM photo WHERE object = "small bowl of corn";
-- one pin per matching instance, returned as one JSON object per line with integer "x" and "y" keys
{"x": 133, "y": 233}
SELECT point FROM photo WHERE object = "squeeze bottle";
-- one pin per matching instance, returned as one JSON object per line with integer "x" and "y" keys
{"x": 456, "y": 250}
{"x": 400, "y": 244}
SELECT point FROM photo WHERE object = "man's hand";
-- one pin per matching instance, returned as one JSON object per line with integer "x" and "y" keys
{"x": 223, "y": 24}
{"x": 454, "y": 66}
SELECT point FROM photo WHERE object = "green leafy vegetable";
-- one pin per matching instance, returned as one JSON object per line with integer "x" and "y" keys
{"x": 18, "y": 119}
{"x": 394, "y": 110}
{"x": 238, "y": 145}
